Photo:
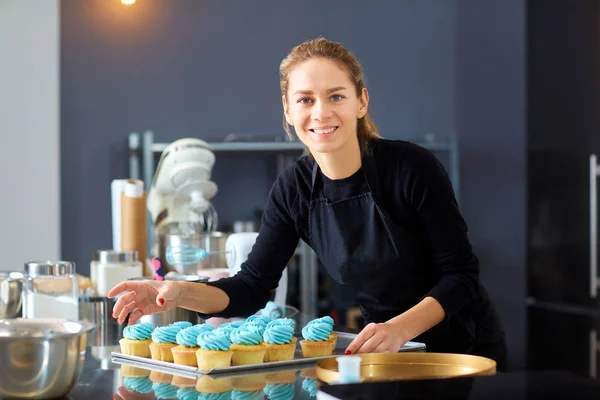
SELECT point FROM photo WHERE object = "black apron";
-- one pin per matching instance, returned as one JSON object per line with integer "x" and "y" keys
{"x": 361, "y": 247}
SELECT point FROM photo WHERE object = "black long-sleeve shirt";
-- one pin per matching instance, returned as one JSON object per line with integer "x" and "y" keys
{"x": 414, "y": 191}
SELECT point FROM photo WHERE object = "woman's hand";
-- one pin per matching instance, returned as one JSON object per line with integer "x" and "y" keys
{"x": 144, "y": 298}
{"x": 378, "y": 338}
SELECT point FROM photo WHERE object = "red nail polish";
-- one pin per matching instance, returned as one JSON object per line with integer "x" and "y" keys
{"x": 348, "y": 352}
{"x": 161, "y": 301}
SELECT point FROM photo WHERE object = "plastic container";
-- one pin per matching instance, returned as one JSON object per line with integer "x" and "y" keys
{"x": 349, "y": 368}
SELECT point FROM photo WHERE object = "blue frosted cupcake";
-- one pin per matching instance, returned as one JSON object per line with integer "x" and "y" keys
{"x": 164, "y": 338}
{"x": 187, "y": 344}
{"x": 215, "y": 350}
{"x": 246, "y": 344}
{"x": 136, "y": 340}
{"x": 319, "y": 340}
{"x": 279, "y": 340}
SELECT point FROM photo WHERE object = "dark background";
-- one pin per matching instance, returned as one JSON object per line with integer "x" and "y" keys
{"x": 206, "y": 69}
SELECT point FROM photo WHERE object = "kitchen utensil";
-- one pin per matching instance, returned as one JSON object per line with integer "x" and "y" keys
{"x": 41, "y": 358}
{"x": 410, "y": 365}
{"x": 210, "y": 242}
{"x": 11, "y": 294}
{"x": 188, "y": 254}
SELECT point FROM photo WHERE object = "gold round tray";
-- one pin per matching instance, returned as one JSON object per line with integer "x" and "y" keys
{"x": 411, "y": 366}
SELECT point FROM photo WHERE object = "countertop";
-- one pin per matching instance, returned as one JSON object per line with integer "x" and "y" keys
{"x": 103, "y": 379}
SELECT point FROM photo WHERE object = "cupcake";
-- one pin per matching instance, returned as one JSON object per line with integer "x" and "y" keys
{"x": 326, "y": 320}
{"x": 140, "y": 385}
{"x": 280, "y": 391}
{"x": 317, "y": 339}
{"x": 164, "y": 391}
{"x": 185, "y": 351}
{"x": 246, "y": 344}
{"x": 215, "y": 350}
{"x": 249, "y": 383}
{"x": 163, "y": 340}
{"x": 279, "y": 340}
{"x": 136, "y": 340}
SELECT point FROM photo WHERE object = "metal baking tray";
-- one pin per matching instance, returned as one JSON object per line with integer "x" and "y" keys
{"x": 413, "y": 366}
{"x": 343, "y": 340}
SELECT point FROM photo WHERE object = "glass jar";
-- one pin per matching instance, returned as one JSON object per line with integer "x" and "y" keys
{"x": 110, "y": 267}
{"x": 51, "y": 290}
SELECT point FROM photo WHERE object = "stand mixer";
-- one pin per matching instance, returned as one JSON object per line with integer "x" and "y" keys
{"x": 180, "y": 196}
{"x": 181, "y": 189}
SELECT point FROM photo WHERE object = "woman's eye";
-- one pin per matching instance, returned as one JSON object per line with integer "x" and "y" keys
{"x": 336, "y": 97}
{"x": 304, "y": 100}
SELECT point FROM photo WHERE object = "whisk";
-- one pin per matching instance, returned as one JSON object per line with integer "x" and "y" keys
{"x": 188, "y": 254}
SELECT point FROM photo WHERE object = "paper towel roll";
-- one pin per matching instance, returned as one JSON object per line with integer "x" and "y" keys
{"x": 133, "y": 218}
{"x": 117, "y": 187}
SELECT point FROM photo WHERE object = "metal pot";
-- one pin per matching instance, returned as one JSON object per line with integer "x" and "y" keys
{"x": 41, "y": 358}
{"x": 213, "y": 241}
{"x": 98, "y": 310}
{"x": 11, "y": 294}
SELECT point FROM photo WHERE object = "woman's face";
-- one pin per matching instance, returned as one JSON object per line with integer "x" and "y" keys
{"x": 322, "y": 106}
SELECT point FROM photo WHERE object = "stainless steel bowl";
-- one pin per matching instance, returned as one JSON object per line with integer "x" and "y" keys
{"x": 11, "y": 291}
{"x": 41, "y": 358}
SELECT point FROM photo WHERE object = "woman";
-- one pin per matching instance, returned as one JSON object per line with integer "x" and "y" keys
{"x": 381, "y": 216}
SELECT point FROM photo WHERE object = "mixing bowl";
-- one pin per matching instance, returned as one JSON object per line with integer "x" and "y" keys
{"x": 41, "y": 358}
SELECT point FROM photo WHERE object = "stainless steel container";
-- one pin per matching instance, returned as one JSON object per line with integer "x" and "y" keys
{"x": 98, "y": 310}
{"x": 41, "y": 358}
{"x": 214, "y": 241}
{"x": 11, "y": 294}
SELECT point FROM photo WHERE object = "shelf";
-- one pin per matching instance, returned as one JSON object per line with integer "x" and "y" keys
{"x": 243, "y": 146}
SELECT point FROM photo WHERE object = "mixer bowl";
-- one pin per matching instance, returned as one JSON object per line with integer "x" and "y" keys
{"x": 41, "y": 358}
{"x": 11, "y": 290}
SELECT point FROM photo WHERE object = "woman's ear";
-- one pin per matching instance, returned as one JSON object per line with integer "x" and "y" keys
{"x": 286, "y": 111}
{"x": 364, "y": 103}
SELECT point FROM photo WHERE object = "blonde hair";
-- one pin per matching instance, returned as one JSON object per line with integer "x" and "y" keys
{"x": 323, "y": 48}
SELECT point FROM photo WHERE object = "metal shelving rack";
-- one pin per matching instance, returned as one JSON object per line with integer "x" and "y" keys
{"x": 142, "y": 150}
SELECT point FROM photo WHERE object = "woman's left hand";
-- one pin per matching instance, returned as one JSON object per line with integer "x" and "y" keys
{"x": 378, "y": 338}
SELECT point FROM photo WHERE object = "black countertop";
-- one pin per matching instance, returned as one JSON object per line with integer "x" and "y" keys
{"x": 102, "y": 379}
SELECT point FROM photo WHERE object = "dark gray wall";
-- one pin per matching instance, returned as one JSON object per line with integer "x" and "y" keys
{"x": 491, "y": 121}
{"x": 205, "y": 69}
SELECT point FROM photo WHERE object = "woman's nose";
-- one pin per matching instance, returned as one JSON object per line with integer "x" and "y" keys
{"x": 321, "y": 110}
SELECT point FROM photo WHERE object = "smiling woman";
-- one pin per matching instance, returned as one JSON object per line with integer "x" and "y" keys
{"x": 381, "y": 215}
{"x": 324, "y": 98}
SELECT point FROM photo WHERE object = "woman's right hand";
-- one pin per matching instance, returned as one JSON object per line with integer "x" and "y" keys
{"x": 144, "y": 298}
